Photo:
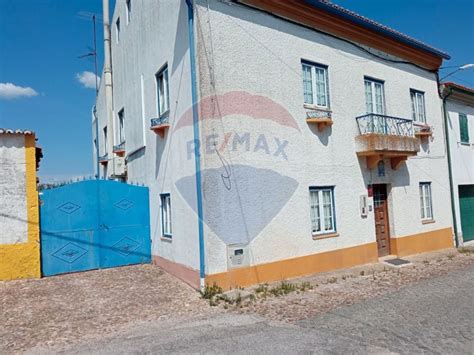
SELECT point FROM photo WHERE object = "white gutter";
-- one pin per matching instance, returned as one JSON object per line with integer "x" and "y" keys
{"x": 107, "y": 77}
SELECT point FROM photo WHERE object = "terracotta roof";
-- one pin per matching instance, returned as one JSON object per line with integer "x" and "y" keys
{"x": 373, "y": 25}
{"x": 460, "y": 87}
{"x": 15, "y": 131}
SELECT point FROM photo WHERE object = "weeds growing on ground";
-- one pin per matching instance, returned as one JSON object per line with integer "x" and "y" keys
{"x": 464, "y": 250}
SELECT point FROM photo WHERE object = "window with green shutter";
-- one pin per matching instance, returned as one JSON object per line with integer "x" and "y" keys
{"x": 463, "y": 128}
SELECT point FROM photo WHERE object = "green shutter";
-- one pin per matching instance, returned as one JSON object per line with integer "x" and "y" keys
{"x": 463, "y": 128}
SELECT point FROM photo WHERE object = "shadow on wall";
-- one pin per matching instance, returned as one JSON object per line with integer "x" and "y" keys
{"x": 396, "y": 178}
{"x": 323, "y": 136}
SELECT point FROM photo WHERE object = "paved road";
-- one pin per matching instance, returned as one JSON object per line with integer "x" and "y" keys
{"x": 435, "y": 316}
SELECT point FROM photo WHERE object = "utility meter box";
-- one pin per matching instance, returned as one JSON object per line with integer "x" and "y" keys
{"x": 237, "y": 255}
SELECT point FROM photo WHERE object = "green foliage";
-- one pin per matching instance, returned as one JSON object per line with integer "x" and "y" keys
{"x": 210, "y": 292}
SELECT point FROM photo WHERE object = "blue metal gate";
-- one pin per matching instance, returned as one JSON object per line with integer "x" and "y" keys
{"x": 94, "y": 224}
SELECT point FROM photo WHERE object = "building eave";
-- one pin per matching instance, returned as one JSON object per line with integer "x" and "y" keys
{"x": 339, "y": 22}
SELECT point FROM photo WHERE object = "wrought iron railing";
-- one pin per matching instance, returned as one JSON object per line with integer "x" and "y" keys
{"x": 318, "y": 113}
{"x": 159, "y": 121}
{"x": 104, "y": 158}
{"x": 386, "y": 125}
{"x": 119, "y": 147}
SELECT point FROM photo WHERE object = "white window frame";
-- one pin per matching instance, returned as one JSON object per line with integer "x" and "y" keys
{"x": 121, "y": 126}
{"x": 373, "y": 84}
{"x": 417, "y": 98}
{"x": 317, "y": 210}
{"x": 426, "y": 201}
{"x": 117, "y": 30}
{"x": 128, "y": 10}
{"x": 163, "y": 104}
{"x": 316, "y": 91}
{"x": 166, "y": 222}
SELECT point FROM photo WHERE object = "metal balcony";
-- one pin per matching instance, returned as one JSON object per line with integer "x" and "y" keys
{"x": 119, "y": 149}
{"x": 104, "y": 159}
{"x": 385, "y": 137}
{"x": 321, "y": 117}
{"x": 159, "y": 125}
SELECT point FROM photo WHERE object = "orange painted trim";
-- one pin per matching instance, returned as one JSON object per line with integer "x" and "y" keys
{"x": 289, "y": 268}
{"x": 183, "y": 272}
{"x": 422, "y": 242}
{"x": 302, "y": 13}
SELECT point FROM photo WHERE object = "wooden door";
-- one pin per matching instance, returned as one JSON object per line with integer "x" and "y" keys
{"x": 382, "y": 231}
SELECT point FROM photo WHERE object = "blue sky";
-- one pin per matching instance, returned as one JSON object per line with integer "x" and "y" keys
{"x": 40, "y": 41}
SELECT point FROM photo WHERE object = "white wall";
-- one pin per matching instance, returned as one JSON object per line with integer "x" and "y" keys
{"x": 13, "y": 214}
{"x": 155, "y": 36}
{"x": 462, "y": 154}
{"x": 242, "y": 49}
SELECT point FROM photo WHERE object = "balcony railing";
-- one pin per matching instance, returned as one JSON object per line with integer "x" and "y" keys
{"x": 119, "y": 149}
{"x": 159, "y": 121}
{"x": 385, "y": 137}
{"x": 160, "y": 124}
{"x": 386, "y": 125}
{"x": 103, "y": 159}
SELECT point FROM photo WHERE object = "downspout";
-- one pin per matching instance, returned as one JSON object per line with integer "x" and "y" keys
{"x": 97, "y": 155}
{"x": 197, "y": 156}
{"x": 450, "y": 170}
{"x": 108, "y": 84}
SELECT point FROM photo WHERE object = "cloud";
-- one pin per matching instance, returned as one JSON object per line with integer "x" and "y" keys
{"x": 87, "y": 79}
{"x": 9, "y": 91}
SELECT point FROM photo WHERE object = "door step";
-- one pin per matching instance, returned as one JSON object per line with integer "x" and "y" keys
{"x": 397, "y": 262}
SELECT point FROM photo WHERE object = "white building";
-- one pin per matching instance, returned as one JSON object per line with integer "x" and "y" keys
{"x": 459, "y": 102}
{"x": 320, "y": 137}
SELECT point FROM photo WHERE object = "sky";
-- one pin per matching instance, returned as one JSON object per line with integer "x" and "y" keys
{"x": 46, "y": 88}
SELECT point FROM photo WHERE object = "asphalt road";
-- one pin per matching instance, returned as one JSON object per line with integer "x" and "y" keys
{"x": 435, "y": 316}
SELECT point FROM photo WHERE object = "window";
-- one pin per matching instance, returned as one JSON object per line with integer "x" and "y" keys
{"x": 315, "y": 85}
{"x": 463, "y": 128}
{"x": 425, "y": 201}
{"x": 163, "y": 91}
{"x": 117, "y": 30}
{"x": 418, "y": 106}
{"x": 121, "y": 131}
{"x": 105, "y": 139}
{"x": 322, "y": 210}
{"x": 374, "y": 97}
{"x": 128, "y": 6}
{"x": 166, "y": 215}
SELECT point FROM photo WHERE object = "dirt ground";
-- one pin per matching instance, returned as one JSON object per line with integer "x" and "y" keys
{"x": 66, "y": 308}
{"x": 63, "y": 310}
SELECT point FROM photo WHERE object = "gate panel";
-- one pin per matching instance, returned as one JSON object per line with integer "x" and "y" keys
{"x": 94, "y": 224}
{"x": 69, "y": 234}
{"x": 124, "y": 226}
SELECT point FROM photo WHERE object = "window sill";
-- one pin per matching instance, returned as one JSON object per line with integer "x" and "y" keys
{"x": 316, "y": 107}
{"x": 167, "y": 239}
{"x": 467, "y": 144}
{"x": 325, "y": 236}
{"x": 428, "y": 221}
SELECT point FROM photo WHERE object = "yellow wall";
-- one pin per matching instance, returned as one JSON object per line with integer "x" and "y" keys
{"x": 332, "y": 260}
{"x": 422, "y": 242}
{"x": 305, "y": 265}
{"x": 22, "y": 260}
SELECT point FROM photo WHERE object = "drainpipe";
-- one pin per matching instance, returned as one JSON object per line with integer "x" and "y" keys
{"x": 197, "y": 156}
{"x": 108, "y": 83}
{"x": 450, "y": 170}
{"x": 97, "y": 165}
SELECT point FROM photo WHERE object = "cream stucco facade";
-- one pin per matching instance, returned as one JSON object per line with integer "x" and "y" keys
{"x": 259, "y": 155}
